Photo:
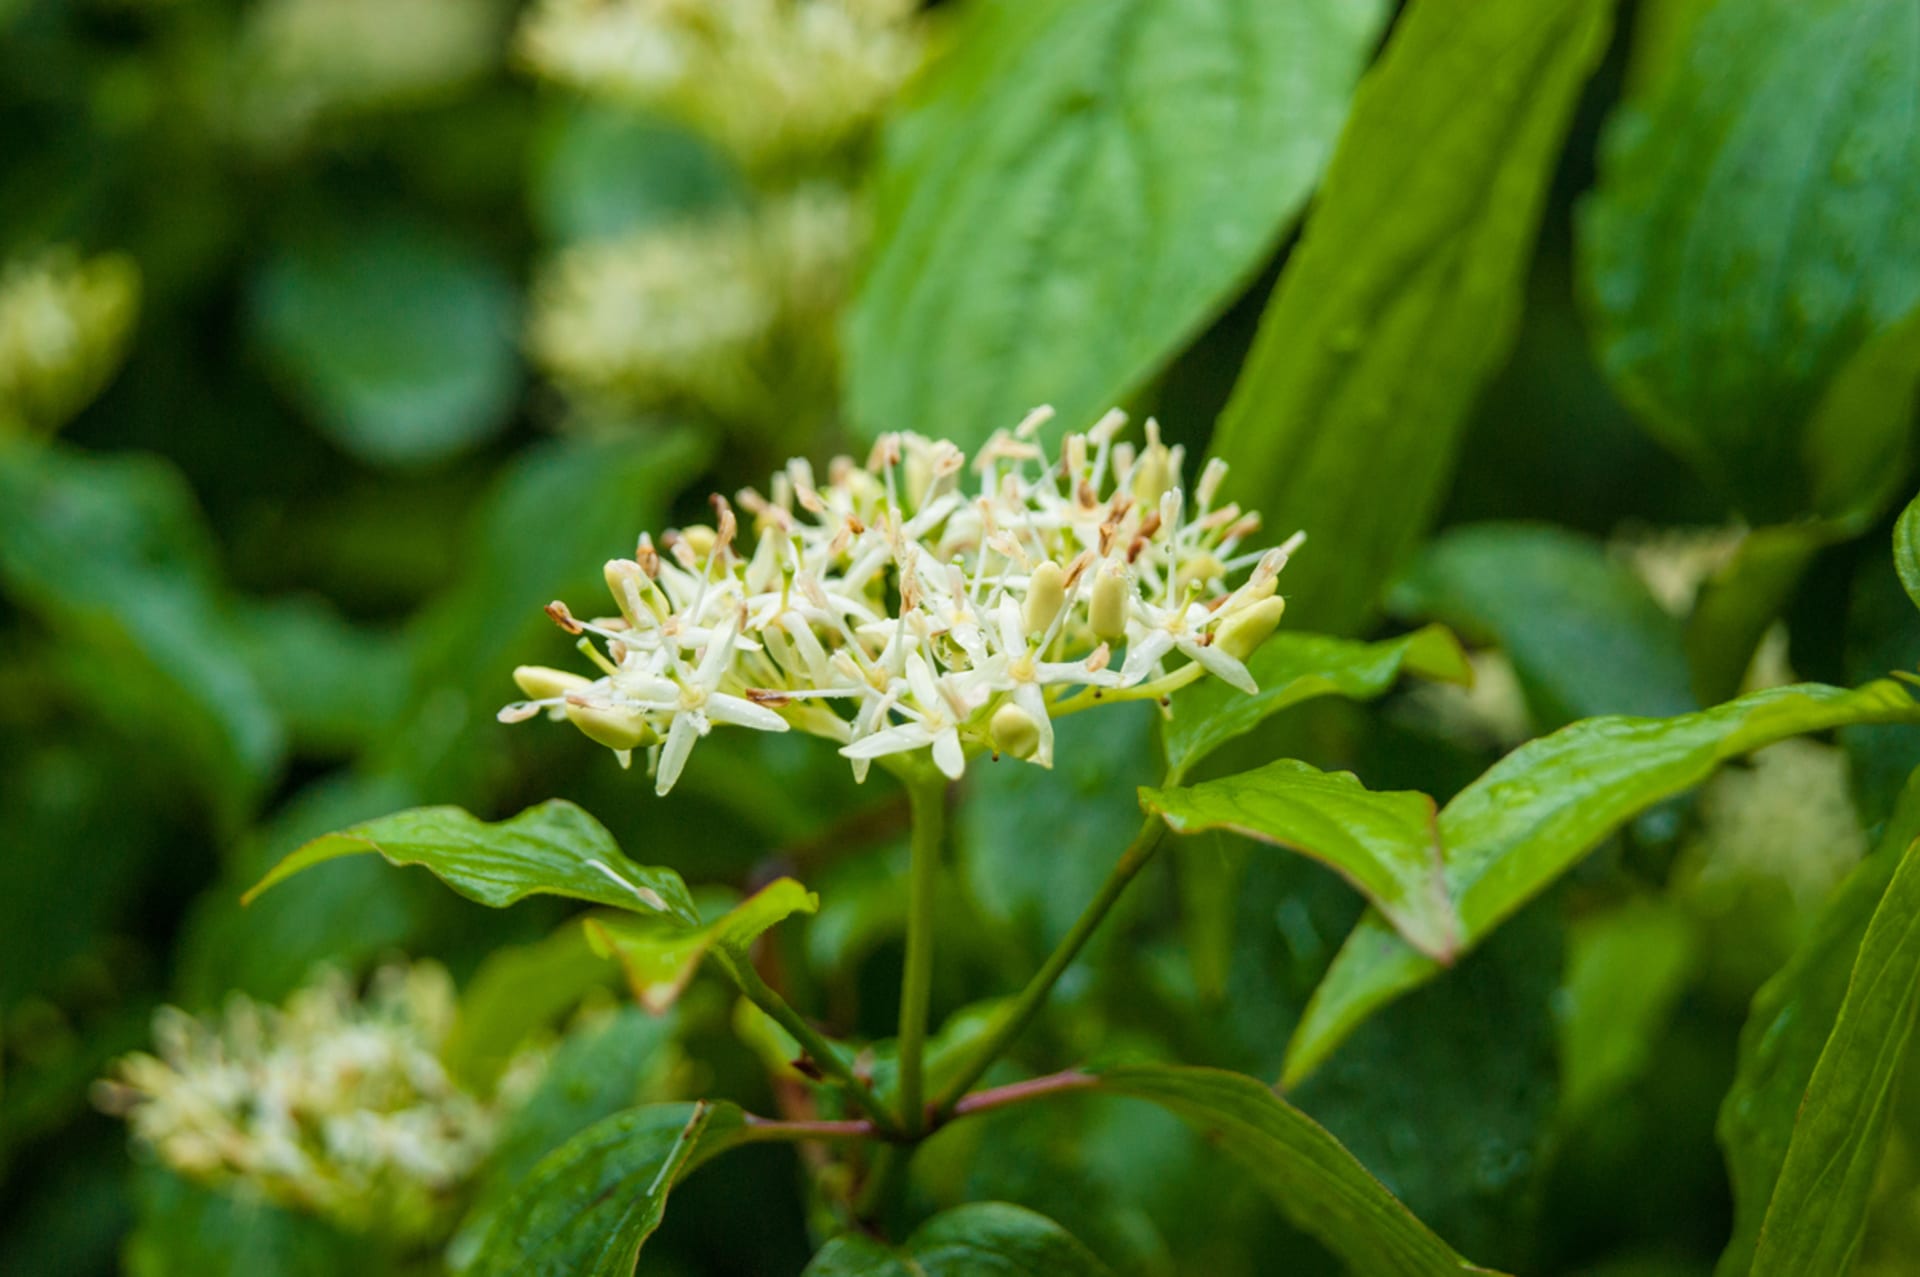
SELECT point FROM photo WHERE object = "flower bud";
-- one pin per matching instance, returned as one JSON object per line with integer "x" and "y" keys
{"x": 541, "y": 683}
{"x": 700, "y": 539}
{"x": 1150, "y": 475}
{"x": 620, "y": 729}
{"x": 1046, "y": 594}
{"x": 628, "y": 582}
{"x": 1014, "y": 731}
{"x": 1107, "y": 613}
{"x": 1198, "y": 570}
{"x": 1241, "y": 634}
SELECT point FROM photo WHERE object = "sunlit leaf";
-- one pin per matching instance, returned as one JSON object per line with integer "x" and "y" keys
{"x": 1402, "y": 297}
{"x": 1319, "y": 1185}
{"x": 969, "y": 1241}
{"x": 589, "y": 1206}
{"x": 1539, "y": 810}
{"x": 1385, "y": 844}
{"x": 1292, "y": 667}
{"x": 553, "y": 849}
{"x": 1749, "y": 238}
{"x": 659, "y": 955}
{"x": 1077, "y": 188}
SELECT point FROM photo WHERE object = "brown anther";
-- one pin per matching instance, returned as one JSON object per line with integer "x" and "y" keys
{"x": 1081, "y": 562}
{"x": 1099, "y": 659}
{"x": 557, "y": 611}
{"x": 768, "y": 697}
{"x": 1149, "y": 525}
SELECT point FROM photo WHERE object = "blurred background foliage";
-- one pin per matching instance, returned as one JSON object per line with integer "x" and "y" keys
{"x": 338, "y": 336}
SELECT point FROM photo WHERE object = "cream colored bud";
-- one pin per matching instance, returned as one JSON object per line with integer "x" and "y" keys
{"x": 1014, "y": 731}
{"x": 1241, "y": 634}
{"x": 620, "y": 729}
{"x": 700, "y": 539}
{"x": 1107, "y": 613}
{"x": 628, "y": 583}
{"x": 541, "y": 683}
{"x": 1150, "y": 476}
{"x": 1046, "y": 594}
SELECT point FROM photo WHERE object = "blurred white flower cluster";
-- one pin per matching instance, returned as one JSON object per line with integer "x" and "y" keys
{"x": 768, "y": 80}
{"x": 334, "y": 1105}
{"x": 897, "y": 608}
{"x": 1788, "y": 816}
{"x": 732, "y": 314}
{"x": 703, "y": 314}
{"x": 302, "y": 61}
{"x": 64, "y": 325}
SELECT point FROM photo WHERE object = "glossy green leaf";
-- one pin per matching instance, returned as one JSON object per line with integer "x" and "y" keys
{"x": 1584, "y": 635}
{"x": 1538, "y": 811}
{"x": 975, "y": 1240}
{"x": 397, "y": 339}
{"x": 659, "y": 955}
{"x": 1319, "y": 1185}
{"x": 552, "y": 849}
{"x": 1385, "y": 844}
{"x": 1076, "y": 189}
{"x": 1402, "y": 297}
{"x": 1788, "y": 1028}
{"x": 1750, "y": 236}
{"x": 1906, "y": 549}
{"x": 1290, "y": 668}
{"x": 587, "y": 1208}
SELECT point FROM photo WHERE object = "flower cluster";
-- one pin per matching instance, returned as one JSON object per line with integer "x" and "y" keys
{"x": 767, "y": 79}
{"x": 333, "y": 1105}
{"x": 896, "y": 608}
{"x": 727, "y": 315}
{"x": 64, "y": 325}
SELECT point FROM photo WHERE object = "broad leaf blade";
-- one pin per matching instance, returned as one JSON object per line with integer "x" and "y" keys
{"x": 1292, "y": 667}
{"x": 1792, "y": 1019}
{"x": 587, "y": 1208}
{"x": 1403, "y": 295}
{"x": 1819, "y": 1207}
{"x": 659, "y": 955}
{"x": 1078, "y": 188}
{"x": 968, "y": 1241}
{"x": 1309, "y": 1175}
{"x": 1385, "y": 844}
{"x": 552, "y": 849}
{"x": 1906, "y": 549}
{"x": 1538, "y": 811}
{"x": 1750, "y": 236}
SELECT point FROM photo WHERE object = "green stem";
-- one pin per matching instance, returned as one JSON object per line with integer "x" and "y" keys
{"x": 928, "y": 796}
{"x": 1031, "y": 998}
{"x": 822, "y": 1052}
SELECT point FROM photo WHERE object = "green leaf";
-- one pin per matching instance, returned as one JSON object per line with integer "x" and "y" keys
{"x": 975, "y": 1240}
{"x": 602, "y": 171}
{"x": 660, "y": 955}
{"x": 399, "y": 340}
{"x": 1626, "y": 969}
{"x": 1538, "y": 811}
{"x": 1076, "y": 189}
{"x": 605, "y": 1067}
{"x": 1737, "y": 607}
{"x": 1819, "y": 1209}
{"x": 589, "y": 1206}
{"x": 1292, "y": 667}
{"x": 1319, "y": 1185}
{"x": 552, "y": 849}
{"x": 112, "y": 555}
{"x": 1786, "y": 1043}
{"x": 1385, "y": 844}
{"x": 516, "y": 991}
{"x": 1749, "y": 238}
{"x": 1584, "y": 635}
{"x": 1402, "y": 297}
{"x": 1906, "y": 549}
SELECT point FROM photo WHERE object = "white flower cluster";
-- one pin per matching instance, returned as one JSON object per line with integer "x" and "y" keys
{"x": 64, "y": 325}
{"x": 892, "y": 610}
{"x": 333, "y": 1105}
{"x": 731, "y": 315}
{"x": 767, "y": 79}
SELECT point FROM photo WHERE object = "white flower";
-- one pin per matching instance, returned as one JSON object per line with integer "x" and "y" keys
{"x": 894, "y": 610}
